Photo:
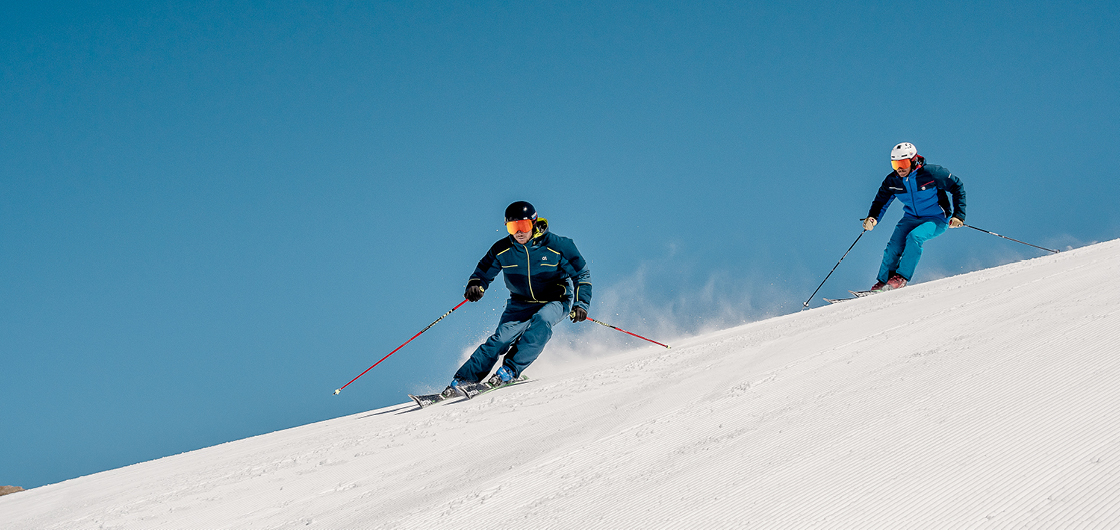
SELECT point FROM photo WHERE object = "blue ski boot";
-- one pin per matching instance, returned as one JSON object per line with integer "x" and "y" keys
{"x": 453, "y": 389}
{"x": 501, "y": 377}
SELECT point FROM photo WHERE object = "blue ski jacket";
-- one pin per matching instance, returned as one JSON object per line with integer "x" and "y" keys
{"x": 923, "y": 193}
{"x": 538, "y": 271}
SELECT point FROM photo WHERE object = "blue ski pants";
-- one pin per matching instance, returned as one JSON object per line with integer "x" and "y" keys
{"x": 905, "y": 247}
{"x": 522, "y": 332}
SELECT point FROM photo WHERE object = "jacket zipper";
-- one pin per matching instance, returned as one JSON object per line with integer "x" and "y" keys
{"x": 529, "y": 272}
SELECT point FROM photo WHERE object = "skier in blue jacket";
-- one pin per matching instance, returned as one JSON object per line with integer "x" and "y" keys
{"x": 924, "y": 193}
{"x": 547, "y": 278}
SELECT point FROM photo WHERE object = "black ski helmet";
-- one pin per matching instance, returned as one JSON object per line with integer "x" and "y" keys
{"x": 520, "y": 210}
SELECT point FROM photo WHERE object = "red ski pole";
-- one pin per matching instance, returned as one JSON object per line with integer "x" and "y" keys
{"x": 401, "y": 346}
{"x": 627, "y": 332}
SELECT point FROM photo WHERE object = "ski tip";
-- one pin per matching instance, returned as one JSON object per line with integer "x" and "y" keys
{"x": 337, "y": 391}
{"x": 420, "y": 403}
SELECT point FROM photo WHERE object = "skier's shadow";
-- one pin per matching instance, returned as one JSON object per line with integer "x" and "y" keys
{"x": 398, "y": 409}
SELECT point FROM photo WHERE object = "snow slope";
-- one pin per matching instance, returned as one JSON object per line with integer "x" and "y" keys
{"x": 987, "y": 400}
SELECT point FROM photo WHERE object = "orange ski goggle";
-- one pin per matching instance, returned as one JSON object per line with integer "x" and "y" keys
{"x": 524, "y": 225}
{"x": 901, "y": 164}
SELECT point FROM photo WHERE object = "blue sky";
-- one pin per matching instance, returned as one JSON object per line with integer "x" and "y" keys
{"x": 211, "y": 216}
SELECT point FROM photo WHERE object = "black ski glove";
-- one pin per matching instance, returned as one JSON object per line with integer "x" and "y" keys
{"x": 578, "y": 314}
{"x": 474, "y": 293}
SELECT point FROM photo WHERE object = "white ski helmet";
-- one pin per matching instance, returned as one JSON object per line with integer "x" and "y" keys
{"x": 904, "y": 151}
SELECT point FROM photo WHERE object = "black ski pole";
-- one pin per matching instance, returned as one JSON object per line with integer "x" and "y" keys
{"x": 1012, "y": 239}
{"x": 806, "y": 304}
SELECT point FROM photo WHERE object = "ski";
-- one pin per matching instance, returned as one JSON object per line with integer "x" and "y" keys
{"x": 477, "y": 389}
{"x": 467, "y": 390}
{"x": 861, "y": 294}
{"x": 856, "y": 294}
{"x": 425, "y": 400}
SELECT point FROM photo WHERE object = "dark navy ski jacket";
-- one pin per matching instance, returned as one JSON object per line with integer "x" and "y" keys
{"x": 923, "y": 193}
{"x": 539, "y": 270}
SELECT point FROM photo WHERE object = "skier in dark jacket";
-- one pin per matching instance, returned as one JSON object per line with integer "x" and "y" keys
{"x": 924, "y": 193}
{"x": 547, "y": 278}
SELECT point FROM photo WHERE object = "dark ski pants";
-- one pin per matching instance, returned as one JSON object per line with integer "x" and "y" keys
{"x": 905, "y": 247}
{"x": 522, "y": 332}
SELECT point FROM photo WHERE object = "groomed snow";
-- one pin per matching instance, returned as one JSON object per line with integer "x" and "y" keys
{"x": 987, "y": 400}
